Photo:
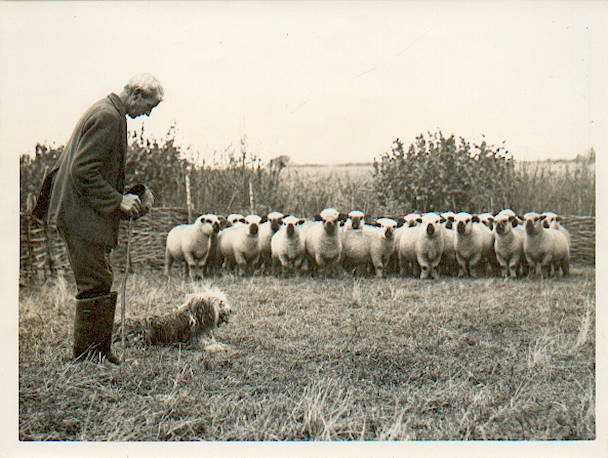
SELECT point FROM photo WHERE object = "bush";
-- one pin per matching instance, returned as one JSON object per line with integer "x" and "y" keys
{"x": 441, "y": 173}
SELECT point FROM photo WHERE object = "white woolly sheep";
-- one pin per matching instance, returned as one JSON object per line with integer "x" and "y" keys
{"x": 474, "y": 244}
{"x": 508, "y": 242}
{"x": 554, "y": 221}
{"x": 355, "y": 242}
{"x": 382, "y": 243}
{"x": 323, "y": 241}
{"x": 545, "y": 248}
{"x": 429, "y": 245}
{"x": 449, "y": 264}
{"x": 238, "y": 244}
{"x": 287, "y": 245}
{"x": 406, "y": 245}
{"x": 191, "y": 243}
{"x": 267, "y": 230}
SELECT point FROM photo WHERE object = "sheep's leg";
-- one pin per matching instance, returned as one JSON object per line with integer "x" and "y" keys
{"x": 475, "y": 259}
{"x": 565, "y": 265}
{"x": 190, "y": 264}
{"x": 168, "y": 262}
{"x": 513, "y": 263}
{"x": 462, "y": 266}
{"x": 504, "y": 267}
{"x": 424, "y": 271}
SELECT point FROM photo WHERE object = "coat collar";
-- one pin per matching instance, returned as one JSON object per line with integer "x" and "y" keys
{"x": 118, "y": 104}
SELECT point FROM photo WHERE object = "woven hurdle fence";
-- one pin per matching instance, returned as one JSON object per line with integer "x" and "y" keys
{"x": 42, "y": 252}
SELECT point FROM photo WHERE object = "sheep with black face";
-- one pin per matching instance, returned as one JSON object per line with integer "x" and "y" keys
{"x": 430, "y": 244}
{"x": 508, "y": 242}
{"x": 287, "y": 245}
{"x": 238, "y": 245}
{"x": 267, "y": 230}
{"x": 545, "y": 247}
{"x": 406, "y": 245}
{"x": 323, "y": 241}
{"x": 381, "y": 236}
{"x": 192, "y": 244}
{"x": 474, "y": 244}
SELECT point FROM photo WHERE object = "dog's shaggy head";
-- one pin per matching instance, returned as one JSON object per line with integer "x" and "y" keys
{"x": 206, "y": 309}
{"x": 203, "y": 311}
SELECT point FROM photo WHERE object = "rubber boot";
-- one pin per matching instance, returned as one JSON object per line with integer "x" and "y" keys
{"x": 93, "y": 326}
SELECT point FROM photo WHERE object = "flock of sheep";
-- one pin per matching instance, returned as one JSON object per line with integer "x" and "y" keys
{"x": 424, "y": 245}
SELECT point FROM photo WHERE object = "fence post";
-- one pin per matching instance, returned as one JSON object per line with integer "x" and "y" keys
{"x": 251, "y": 200}
{"x": 188, "y": 197}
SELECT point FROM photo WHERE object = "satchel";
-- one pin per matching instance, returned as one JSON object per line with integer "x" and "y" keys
{"x": 41, "y": 209}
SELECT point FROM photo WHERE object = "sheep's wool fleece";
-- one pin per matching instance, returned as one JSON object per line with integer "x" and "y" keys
{"x": 201, "y": 312}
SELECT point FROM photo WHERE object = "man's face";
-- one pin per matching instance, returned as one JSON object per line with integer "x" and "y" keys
{"x": 141, "y": 104}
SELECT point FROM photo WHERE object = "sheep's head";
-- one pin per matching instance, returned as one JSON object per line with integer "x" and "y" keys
{"x": 234, "y": 218}
{"x": 357, "y": 219}
{"x": 330, "y": 218}
{"x": 504, "y": 223}
{"x": 387, "y": 226}
{"x": 431, "y": 224}
{"x": 254, "y": 221}
{"x": 464, "y": 222}
{"x": 487, "y": 219}
{"x": 534, "y": 222}
{"x": 412, "y": 219}
{"x": 208, "y": 224}
{"x": 274, "y": 218}
{"x": 291, "y": 224}
{"x": 449, "y": 219}
{"x": 551, "y": 220}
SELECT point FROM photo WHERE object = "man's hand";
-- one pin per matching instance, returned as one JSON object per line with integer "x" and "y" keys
{"x": 131, "y": 206}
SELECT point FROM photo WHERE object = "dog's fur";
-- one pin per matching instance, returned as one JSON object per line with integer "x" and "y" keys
{"x": 189, "y": 324}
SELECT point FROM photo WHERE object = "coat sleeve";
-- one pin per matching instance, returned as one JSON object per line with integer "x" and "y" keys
{"x": 93, "y": 152}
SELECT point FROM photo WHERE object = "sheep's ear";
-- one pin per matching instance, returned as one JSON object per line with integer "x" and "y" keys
{"x": 442, "y": 220}
{"x": 341, "y": 223}
{"x": 491, "y": 225}
{"x": 494, "y": 213}
{"x": 418, "y": 220}
{"x": 375, "y": 224}
{"x": 400, "y": 222}
{"x": 241, "y": 220}
{"x": 318, "y": 217}
{"x": 514, "y": 222}
{"x": 558, "y": 218}
{"x": 300, "y": 222}
{"x": 342, "y": 216}
{"x": 542, "y": 217}
{"x": 264, "y": 219}
{"x": 475, "y": 218}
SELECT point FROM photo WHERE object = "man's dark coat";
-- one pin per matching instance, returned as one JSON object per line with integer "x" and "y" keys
{"x": 88, "y": 184}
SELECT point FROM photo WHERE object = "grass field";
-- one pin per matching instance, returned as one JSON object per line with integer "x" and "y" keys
{"x": 331, "y": 359}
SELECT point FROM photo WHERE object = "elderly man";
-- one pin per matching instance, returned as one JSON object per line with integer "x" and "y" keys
{"x": 87, "y": 202}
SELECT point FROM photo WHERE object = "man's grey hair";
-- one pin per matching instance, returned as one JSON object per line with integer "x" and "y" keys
{"x": 147, "y": 83}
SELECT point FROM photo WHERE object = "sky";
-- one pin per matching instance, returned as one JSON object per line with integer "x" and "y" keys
{"x": 320, "y": 82}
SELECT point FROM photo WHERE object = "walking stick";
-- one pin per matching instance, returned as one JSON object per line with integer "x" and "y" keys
{"x": 124, "y": 290}
{"x": 147, "y": 200}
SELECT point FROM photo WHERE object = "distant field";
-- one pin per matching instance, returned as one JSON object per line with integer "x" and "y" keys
{"x": 327, "y": 359}
{"x": 364, "y": 169}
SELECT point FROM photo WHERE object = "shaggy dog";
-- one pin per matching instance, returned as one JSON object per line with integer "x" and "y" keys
{"x": 189, "y": 324}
